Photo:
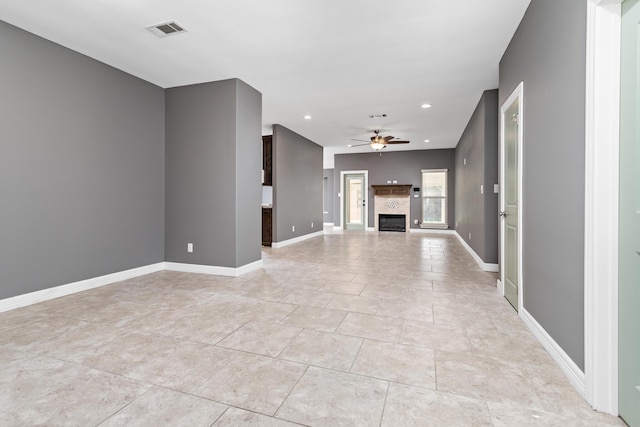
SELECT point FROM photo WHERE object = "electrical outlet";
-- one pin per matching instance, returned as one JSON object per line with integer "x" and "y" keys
{"x": 312, "y": 225}
{"x": 469, "y": 236}
{"x": 189, "y": 247}
{"x": 415, "y": 221}
{"x": 293, "y": 228}
{"x": 464, "y": 162}
{"x": 481, "y": 189}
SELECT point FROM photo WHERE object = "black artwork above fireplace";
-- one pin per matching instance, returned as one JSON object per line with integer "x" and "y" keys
{"x": 391, "y": 222}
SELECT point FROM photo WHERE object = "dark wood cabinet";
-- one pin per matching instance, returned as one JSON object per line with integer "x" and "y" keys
{"x": 267, "y": 159}
{"x": 267, "y": 236}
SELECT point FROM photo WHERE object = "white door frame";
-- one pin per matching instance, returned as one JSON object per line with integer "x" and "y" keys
{"x": 517, "y": 93}
{"x": 365, "y": 195}
{"x": 602, "y": 142}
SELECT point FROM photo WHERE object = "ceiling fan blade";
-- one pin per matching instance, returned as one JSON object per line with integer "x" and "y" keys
{"x": 388, "y": 138}
{"x": 359, "y": 145}
{"x": 397, "y": 142}
{"x": 359, "y": 140}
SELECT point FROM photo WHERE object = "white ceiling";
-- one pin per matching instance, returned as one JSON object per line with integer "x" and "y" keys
{"x": 336, "y": 60}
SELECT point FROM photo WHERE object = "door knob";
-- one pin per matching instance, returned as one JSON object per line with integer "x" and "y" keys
{"x": 503, "y": 213}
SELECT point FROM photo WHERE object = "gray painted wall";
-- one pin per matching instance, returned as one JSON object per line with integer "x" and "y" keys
{"x": 547, "y": 53}
{"x": 297, "y": 185}
{"x": 213, "y": 174}
{"x": 327, "y": 194}
{"x": 81, "y": 167}
{"x": 491, "y": 177}
{"x": 248, "y": 174}
{"x": 477, "y": 213}
{"x": 402, "y": 166}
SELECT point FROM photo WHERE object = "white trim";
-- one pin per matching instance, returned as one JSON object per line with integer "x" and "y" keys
{"x": 518, "y": 92}
{"x": 601, "y": 204}
{"x": 370, "y": 229}
{"x": 500, "y": 287}
{"x": 431, "y": 231}
{"x": 337, "y": 228}
{"x": 327, "y": 224}
{"x": 483, "y": 265}
{"x": 212, "y": 269}
{"x": 366, "y": 196}
{"x": 71, "y": 288}
{"x": 277, "y": 245}
{"x": 562, "y": 359}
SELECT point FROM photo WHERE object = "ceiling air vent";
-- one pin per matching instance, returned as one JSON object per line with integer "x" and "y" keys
{"x": 166, "y": 29}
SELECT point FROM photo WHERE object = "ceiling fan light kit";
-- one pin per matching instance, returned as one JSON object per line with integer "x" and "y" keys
{"x": 379, "y": 142}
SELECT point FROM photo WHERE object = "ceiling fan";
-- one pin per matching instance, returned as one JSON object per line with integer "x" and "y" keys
{"x": 379, "y": 142}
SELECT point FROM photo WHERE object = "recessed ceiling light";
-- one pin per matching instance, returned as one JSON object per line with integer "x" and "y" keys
{"x": 426, "y": 105}
{"x": 307, "y": 117}
{"x": 350, "y": 145}
{"x": 377, "y": 116}
{"x": 427, "y": 140}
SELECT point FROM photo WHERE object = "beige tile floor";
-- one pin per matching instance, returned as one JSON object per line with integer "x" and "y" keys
{"x": 355, "y": 329}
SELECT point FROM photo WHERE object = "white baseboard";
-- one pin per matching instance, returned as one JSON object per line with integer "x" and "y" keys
{"x": 337, "y": 228}
{"x": 277, "y": 245}
{"x": 71, "y": 288}
{"x": 500, "y": 287}
{"x": 212, "y": 269}
{"x": 570, "y": 369}
{"x": 95, "y": 282}
{"x": 431, "y": 231}
{"x": 370, "y": 229}
{"x": 483, "y": 265}
{"x": 327, "y": 224}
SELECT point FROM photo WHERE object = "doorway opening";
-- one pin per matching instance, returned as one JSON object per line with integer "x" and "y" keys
{"x": 354, "y": 214}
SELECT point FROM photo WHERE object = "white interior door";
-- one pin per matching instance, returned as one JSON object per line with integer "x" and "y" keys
{"x": 629, "y": 221}
{"x": 511, "y": 149}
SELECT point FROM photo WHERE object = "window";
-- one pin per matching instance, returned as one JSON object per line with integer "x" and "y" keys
{"x": 434, "y": 198}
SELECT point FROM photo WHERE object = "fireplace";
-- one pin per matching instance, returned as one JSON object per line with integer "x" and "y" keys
{"x": 392, "y": 222}
{"x": 392, "y": 201}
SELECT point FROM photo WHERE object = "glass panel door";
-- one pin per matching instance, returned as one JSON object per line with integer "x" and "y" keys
{"x": 354, "y": 202}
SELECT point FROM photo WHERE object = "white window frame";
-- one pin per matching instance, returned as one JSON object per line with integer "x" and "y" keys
{"x": 445, "y": 224}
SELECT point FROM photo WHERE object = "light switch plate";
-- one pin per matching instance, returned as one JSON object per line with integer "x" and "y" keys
{"x": 496, "y": 188}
